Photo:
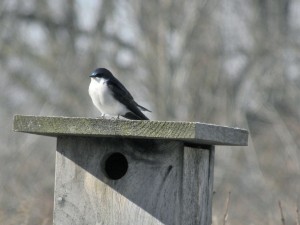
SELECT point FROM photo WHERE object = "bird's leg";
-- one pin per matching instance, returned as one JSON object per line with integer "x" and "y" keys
{"x": 103, "y": 116}
{"x": 118, "y": 117}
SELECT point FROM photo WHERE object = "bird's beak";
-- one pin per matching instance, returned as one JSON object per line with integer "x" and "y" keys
{"x": 92, "y": 75}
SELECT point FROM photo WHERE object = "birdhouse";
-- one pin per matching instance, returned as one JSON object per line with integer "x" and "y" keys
{"x": 132, "y": 172}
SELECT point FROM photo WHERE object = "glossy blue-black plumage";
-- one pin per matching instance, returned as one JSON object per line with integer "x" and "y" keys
{"x": 121, "y": 94}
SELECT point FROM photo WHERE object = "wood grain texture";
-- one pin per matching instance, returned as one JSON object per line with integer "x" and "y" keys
{"x": 188, "y": 132}
{"x": 197, "y": 185}
{"x": 163, "y": 184}
{"x": 210, "y": 183}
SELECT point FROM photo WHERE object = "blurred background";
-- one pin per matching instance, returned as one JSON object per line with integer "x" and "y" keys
{"x": 228, "y": 62}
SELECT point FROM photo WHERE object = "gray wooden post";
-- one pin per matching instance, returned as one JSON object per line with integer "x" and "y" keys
{"x": 132, "y": 172}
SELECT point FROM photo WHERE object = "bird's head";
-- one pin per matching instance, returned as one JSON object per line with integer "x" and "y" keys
{"x": 101, "y": 73}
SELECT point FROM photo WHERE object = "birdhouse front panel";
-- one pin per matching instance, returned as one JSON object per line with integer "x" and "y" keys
{"x": 131, "y": 181}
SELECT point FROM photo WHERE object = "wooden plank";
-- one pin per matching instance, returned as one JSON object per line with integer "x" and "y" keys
{"x": 188, "y": 132}
{"x": 197, "y": 185}
{"x": 163, "y": 183}
{"x": 210, "y": 182}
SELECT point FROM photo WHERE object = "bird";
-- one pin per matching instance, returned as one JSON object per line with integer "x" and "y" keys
{"x": 110, "y": 96}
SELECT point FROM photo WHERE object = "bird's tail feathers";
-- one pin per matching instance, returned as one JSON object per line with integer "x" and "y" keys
{"x": 133, "y": 116}
{"x": 143, "y": 108}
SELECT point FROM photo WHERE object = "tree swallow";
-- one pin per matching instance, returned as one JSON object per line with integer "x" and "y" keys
{"x": 111, "y": 97}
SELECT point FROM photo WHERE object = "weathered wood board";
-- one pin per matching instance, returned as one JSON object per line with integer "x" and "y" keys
{"x": 188, "y": 132}
{"x": 164, "y": 184}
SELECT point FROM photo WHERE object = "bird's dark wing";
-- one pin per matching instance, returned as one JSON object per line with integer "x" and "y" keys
{"x": 121, "y": 94}
{"x": 117, "y": 85}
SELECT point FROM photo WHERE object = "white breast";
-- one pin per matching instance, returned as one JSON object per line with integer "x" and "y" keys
{"x": 103, "y": 99}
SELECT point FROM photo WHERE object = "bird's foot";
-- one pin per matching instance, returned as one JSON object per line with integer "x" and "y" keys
{"x": 115, "y": 117}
